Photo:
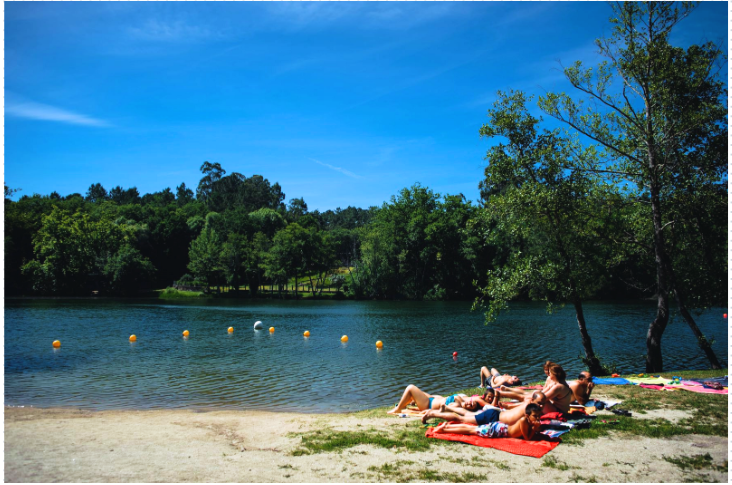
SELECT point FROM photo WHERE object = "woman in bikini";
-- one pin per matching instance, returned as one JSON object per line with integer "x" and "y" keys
{"x": 559, "y": 394}
{"x": 426, "y": 401}
{"x": 526, "y": 395}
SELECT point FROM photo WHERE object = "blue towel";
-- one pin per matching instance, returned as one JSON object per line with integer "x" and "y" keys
{"x": 610, "y": 381}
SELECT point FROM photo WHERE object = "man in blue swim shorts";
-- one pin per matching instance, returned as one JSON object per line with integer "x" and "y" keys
{"x": 525, "y": 427}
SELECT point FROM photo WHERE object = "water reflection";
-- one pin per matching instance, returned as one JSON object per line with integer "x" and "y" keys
{"x": 251, "y": 369}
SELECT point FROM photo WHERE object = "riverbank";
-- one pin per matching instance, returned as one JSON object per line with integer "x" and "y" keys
{"x": 672, "y": 437}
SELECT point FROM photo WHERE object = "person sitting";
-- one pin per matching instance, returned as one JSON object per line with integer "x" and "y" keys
{"x": 526, "y": 426}
{"x": 488, "y": 414}
{"x": 426, "y": 401}
{"x": 559, "y": 394}
{"x": 495, "y": 379}
{"x": 582, "y": 387}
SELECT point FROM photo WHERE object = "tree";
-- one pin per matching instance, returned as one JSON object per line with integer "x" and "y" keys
{"x": 663, "y": 130}
{"x": 541, "y": 189}
{"x": 233, "y": 255}
{"x": 205, "y": 256}
{"x": 96, "y": 193}
{"x": 183, "y": 195}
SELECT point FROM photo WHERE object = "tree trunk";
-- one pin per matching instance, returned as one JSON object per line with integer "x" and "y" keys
{"x": 312, "y": 287}
{"x": 654, "y": 359}
{"x": 593, "y": 363}
{"x": 700, "y": 338}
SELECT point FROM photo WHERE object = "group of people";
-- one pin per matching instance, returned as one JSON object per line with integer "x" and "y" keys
{"x": 517, "y": 418}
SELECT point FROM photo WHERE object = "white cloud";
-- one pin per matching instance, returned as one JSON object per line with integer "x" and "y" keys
{"x": 337, "y": 169}
{"x": 172, "y": 31}
{"x": 39, "y": 111}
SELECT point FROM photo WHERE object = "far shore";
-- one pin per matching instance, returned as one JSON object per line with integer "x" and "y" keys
{"x": 72, "y": 445}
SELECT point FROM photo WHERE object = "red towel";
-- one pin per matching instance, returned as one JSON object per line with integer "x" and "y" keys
{"x": 537, "y": 449}
{"x": 559, "y": 416}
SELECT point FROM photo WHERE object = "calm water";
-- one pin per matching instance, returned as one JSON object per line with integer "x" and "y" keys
{"x": 98, "y": 368}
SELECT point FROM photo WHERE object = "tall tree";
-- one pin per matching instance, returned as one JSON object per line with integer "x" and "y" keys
{"x": 543, "y": 191}
{"x": 663, "y": 128}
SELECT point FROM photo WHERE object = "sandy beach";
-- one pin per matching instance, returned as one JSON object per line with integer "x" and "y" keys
{"x": 68, "y": 445}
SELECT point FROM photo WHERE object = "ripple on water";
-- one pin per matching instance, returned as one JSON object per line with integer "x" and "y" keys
{"x": 98, "y": 368}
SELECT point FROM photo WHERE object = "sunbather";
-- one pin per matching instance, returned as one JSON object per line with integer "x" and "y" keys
{"x": 525, "y": 395}
{"x": 525, "y": 427}
{"x": 495, "y": 379}
{"x": 582, "y": 387}
{"x": 488, "y": 414}
{"x": 426, "y": 401}
{"x": 559, "y": 394}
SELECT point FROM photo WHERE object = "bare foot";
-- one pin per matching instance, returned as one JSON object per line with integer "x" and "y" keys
{"x": 396, "y": 410}
{"x": 426, "y": 417}
{"x": 439, "y": 428}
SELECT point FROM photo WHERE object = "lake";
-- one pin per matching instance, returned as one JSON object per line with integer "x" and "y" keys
{"x": 98, "y": 368}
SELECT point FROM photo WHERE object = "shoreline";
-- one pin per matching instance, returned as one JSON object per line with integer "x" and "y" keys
{"x": 164, "y": 445}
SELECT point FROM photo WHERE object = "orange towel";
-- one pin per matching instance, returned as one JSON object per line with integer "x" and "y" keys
{"x": 537, "y": 449}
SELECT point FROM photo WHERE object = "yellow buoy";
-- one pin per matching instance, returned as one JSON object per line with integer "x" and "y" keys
{"x": 344, "y": 338}
{"x": 379, "y": 344}
{"x": 185, "y": 333}
{"x": 307, "y": 333}
{"x": 56, "y": 344}
{"x": 133, "y": 338}
{"x": 231, "y": 330}
{"x": 271, "y": 329}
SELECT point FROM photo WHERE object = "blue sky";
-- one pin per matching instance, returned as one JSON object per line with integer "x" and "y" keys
{"x": 342, "y": 103}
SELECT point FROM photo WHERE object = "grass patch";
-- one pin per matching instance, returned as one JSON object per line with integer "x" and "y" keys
{"x": 696, "y": 462}
{"x": 410, "y": 438}
{"x": 172, "y": 293}
{"x": 551, "y": 462}
{"x": 395, "y": 472}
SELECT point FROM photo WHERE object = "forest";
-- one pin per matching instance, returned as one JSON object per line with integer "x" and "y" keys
{"x": 622, "y": 196}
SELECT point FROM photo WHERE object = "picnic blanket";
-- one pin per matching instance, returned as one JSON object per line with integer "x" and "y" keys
{"x": 611, "y": 381}
{"x": 700, "y": 389}
{"x": 537, "y": 449}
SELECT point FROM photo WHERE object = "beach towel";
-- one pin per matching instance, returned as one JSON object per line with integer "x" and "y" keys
{"x": 610, "y": 381}
{"x": 650, "y": 380}
{"x": 700, "y": 389}
{"x": 654, "y": 386}
{"x": 537, "y": 449}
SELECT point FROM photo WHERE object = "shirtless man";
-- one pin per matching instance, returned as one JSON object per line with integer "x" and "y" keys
{"x": 524, "y": 428}
{"x": 582, "y": 387}
{"x": 495, "y": 379}
{"x": 429, "y": 401}
{"x": 488, "y": 414}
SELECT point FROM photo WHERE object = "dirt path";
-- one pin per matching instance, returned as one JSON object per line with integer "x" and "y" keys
{"x": 62, "y": 445}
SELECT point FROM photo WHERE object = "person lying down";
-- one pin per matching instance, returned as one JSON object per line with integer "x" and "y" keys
{"x": 526, "y": 427}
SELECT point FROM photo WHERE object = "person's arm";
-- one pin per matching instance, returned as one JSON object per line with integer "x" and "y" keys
{"x": 533, "y": 427}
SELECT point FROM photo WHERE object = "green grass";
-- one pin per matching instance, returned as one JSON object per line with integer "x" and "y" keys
{"x": 409, "y": 438}
{"x": 551, "y": 462}
{"x": 696, "y": 462}
{"x": 172, "y": 293}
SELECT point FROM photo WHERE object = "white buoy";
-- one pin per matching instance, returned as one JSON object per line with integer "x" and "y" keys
{"x": 258, "y": 325}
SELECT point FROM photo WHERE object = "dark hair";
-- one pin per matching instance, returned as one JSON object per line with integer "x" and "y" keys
{"x": 557, "y": 371}
{"x": 581, "y": 376}
{"x": 489, "y": 390}
{"x": 532, "y": 407}
{"x": 548, "y": 364}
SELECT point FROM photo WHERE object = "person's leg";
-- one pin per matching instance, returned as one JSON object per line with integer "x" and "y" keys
{"x": 484, "y": 374}
{"x": 412, "y": 392}
{"x": 457, "y": 428}
{"x": 446, "y": 414}
{"x": 511, "y": 393}
{"x": 511, "y": 416}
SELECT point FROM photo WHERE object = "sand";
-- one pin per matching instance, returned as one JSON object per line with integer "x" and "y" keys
{"x": 67, "y": 445}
